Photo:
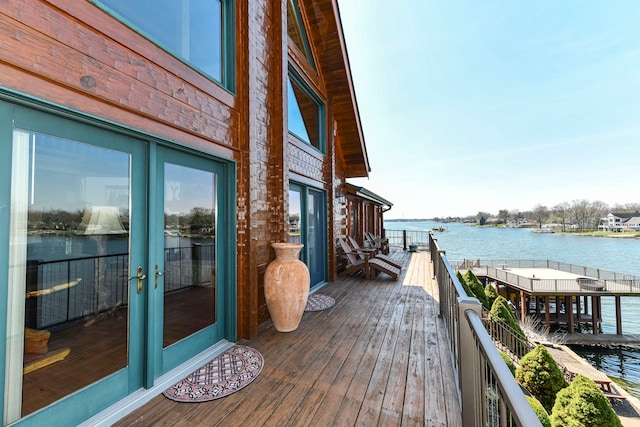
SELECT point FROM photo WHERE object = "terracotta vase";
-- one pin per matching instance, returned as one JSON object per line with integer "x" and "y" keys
{"x": 286, "y": 286}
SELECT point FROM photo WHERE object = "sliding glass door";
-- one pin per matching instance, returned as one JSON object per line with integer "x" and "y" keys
{"x": 308, "y": 225}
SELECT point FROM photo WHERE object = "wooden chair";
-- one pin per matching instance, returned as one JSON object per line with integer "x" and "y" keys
{"x": 372, "y": 265}
{"x": 373, "y": 253}
{"x": 377, "y": 265}
{"x": 355, "y": 264}
{"x": 381, "y": 244}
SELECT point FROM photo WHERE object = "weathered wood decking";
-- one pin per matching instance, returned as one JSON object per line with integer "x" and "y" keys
{"x": 378, "y": 357}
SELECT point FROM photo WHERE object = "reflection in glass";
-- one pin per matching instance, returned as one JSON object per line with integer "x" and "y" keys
{"x": 189, "y": 29}
{"x": 304, "y": 115}
{"x": 294, "y": 216}
{"x": 315, "y": 241}
{"x": 296, "y": 31}
{"x": 189, "y": 261}
{"x": 70, "y": 290}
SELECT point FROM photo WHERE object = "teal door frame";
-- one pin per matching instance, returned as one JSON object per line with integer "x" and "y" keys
{"x": 313, "y": 231}
{"x": 168, "y": 358}
{"x": 144, "y": 363}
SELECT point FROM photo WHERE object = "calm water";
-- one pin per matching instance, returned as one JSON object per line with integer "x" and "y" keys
{"x": 619, "y": 255}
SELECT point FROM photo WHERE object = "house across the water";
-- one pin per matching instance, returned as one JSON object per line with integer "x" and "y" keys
{"x": 621, "y": 222}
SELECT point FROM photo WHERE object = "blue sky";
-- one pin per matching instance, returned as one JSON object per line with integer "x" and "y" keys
{"x": 471, "y": 106}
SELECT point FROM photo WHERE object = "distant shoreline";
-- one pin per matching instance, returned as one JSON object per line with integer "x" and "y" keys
{"x": 614, "y": 235}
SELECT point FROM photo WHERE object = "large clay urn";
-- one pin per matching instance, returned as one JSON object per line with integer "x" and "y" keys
{"x": 286, "y": 286}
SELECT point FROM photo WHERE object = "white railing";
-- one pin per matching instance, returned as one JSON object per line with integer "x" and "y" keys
{"x": 489, "y": 394}
{"x": 591, "y": 279}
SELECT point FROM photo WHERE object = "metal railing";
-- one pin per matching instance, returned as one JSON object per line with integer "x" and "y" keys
{"x": 592, "y": 279}
{"x": 489, "y": 394}
{"x": 507, "y": 339}
{"x": 62, "y": 291}
{"x": 408, "y": 239}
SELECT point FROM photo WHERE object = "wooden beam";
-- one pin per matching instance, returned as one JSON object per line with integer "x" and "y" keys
{"x": 618, "y": 316}
{"x": 546, "y": 313}
{"x": 594, "y": 313}
{"x": 568, "y": 309}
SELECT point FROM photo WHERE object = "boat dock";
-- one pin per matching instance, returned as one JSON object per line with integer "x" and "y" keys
{"x": 602, "y": 339}
{"x": 560, "y": 293}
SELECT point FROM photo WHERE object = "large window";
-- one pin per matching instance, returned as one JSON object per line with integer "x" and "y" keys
{"x": 296, "y": 30}
{"x": 305, "y": 114}
{"x": 196, "y": 31}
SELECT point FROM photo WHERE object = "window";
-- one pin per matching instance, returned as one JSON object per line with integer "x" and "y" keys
{"x": 305, "y": 114}
{"x": 296, "y": 31}
{"x": 195, "y": 31}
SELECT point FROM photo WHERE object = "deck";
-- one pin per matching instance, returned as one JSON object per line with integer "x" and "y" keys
{"x": 379, "y": 356}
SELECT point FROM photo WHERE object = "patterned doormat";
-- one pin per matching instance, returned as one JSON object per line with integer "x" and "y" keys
{"x": 318, "y": 302}
{"x": 229, "y": 372}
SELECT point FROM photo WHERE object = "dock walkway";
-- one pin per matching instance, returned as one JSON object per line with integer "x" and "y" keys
{"x": 573, "y": 365}
{"x": 602, "y": 339}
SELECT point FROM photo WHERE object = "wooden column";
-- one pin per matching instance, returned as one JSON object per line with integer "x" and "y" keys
{"x": 618, "y": 316}
{"x": 594, "y": 313}
{"x": 568, "y": 309}
{"x": 586, "y": 304}
{"x": 546, "y": 313}
{"x": 523, "y": 307}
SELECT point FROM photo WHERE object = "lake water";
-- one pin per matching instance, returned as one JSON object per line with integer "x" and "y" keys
{"x": 621, "y": 255}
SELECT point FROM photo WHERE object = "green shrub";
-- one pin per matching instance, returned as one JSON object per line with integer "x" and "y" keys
{"x": 476, "y": 287}
{"x": 491, "y": 293}
{"x": 540, "y": 374}
{"x": 509, "y": 362}
{"x": 583, "y": 404}
{"x": 464, "y": 284}
{"x": 541, "y": 413}
{"x": 500, "y": 311}
{"x": 501, "y": 314}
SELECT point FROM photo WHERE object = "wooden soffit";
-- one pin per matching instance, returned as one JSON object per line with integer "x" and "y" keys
{"x": 327, "y": 38}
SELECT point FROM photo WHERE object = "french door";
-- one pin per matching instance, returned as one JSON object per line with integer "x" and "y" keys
{"x": 308, "y": 225}
{"x": 115, "y": 271}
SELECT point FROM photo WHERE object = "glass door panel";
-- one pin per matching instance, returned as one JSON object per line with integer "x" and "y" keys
{"x": 295, "y": 219}
{"x": 69, "y": 258}
{"x": 185, "y": 247}
{"x": 307, "y": 225}
{"x": 316, "y": 241}
{"x": 189, "y": 252}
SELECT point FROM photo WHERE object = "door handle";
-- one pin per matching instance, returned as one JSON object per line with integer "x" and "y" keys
{"x": 140, "y": 277}
{"x": 157, "y": 274}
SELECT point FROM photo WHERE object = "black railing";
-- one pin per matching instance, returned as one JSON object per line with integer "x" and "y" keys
{"x": 63, "y": 291}
{"x": 408, "y": 239}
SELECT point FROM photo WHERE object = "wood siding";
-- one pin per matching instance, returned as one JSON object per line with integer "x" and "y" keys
{"x": 73, "y": 54}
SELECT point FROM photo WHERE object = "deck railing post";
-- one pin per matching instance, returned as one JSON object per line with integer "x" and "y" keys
{"x": 404, "y": 240}
{"x": 468, "y": 363}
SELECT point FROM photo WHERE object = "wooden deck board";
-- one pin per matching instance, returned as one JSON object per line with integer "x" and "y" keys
{"x": 378, "y": 357}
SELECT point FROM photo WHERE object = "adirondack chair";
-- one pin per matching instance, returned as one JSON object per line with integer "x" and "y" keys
{"x": 381, "y": 244}
{"x": 373, "y": 252}
{"x": 373, "y": 265}
{"x": 356, "y": 263}
{"x": 377, "y": 265}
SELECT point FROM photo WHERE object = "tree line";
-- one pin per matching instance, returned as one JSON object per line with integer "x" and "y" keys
{"x": 581, "y": 214}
